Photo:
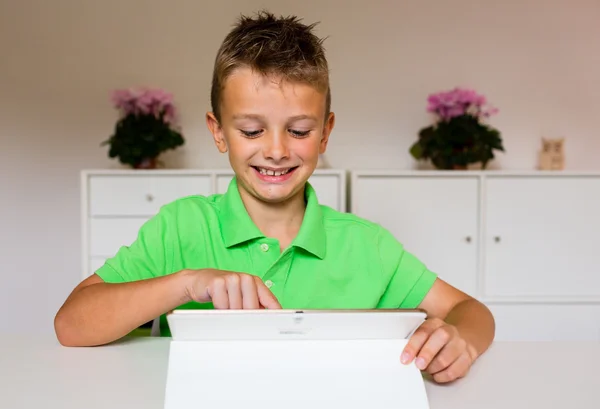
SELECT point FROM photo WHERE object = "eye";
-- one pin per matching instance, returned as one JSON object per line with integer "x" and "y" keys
{"x": 250, "y": 134}
{"x": 298, "y": 134}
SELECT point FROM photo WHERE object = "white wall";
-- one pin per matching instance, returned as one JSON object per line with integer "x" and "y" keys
{"x": 537, "y": 60}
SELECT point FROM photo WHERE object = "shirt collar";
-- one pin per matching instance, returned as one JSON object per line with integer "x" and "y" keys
{"x": 237, "y": 227}
{"x": 311, "y": 236}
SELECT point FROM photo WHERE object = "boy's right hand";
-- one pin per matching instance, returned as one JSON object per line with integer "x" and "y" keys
{"x": 230, "y": 290}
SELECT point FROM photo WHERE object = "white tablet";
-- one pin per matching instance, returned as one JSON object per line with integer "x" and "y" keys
{"x": 236, "y": 325}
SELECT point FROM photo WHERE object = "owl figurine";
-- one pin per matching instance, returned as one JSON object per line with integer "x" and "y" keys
{"x": 552, "y": 155}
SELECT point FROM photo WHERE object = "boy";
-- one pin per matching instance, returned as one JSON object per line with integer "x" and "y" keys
{"x": 267, "y": 243}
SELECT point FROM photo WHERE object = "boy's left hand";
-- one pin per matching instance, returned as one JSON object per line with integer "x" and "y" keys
{"x": 439, "y": 351}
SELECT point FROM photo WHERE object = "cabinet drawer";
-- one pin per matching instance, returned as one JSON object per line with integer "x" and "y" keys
{"x": 545, "y": 322}
{"x": 107, "y": 235}
{"x": 141, "y": 195}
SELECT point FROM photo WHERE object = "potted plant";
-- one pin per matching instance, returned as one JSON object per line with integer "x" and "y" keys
{"x": 145, "y": 129}
{"x": 458, "y": 137}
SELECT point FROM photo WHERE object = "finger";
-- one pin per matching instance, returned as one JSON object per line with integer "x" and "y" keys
{"x": 249, "y": 293}
{"x": 234, "y": 291}
{"x": 446, "y": 357}
{"x": 433, "y": 346}
{"x": 418, "y": 339}
{"x": 217, "y": 290}
{"x": 458, "y": 369}
{"x": 265, "y": 296}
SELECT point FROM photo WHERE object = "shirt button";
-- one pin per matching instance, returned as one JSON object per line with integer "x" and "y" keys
{"x": 269, "y": 283}
{"x": 264, "y": 247}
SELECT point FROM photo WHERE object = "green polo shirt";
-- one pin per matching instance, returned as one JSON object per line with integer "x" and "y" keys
{"x": 337, "y": 261}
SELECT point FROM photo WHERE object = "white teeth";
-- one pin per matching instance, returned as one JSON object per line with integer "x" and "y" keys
{"x": 272, "y": 172}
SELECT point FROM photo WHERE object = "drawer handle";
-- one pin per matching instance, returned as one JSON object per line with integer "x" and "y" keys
{"x": 149, "y": 197}
{"x": 497, "y": 239}
{"x": 468, "y": 239}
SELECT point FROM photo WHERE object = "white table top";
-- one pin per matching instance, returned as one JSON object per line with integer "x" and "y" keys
{"x": 132, "y": 373}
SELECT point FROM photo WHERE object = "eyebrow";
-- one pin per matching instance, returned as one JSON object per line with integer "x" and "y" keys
{"x": 260, "y": 117}
{"x": 248, "y": 116}
{"x": 299, "y": 117}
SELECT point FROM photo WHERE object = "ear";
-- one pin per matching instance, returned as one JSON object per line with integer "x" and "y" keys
{"x": 217, "y": 132}
{"x": 329, "y": 124}
{"x": 545, "y": 144}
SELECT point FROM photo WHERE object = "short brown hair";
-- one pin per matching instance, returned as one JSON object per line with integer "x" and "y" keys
{"x": 272, "y": 46}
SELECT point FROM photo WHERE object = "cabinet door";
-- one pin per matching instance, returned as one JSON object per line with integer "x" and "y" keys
{"x": 328, "y": 189}
{"x": 542, "y": 237}
{"x": 223, "y": 181}
{"x": 435, "y": 218}
{"x": 94, "y": 264}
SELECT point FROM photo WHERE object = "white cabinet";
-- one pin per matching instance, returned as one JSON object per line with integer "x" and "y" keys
{"x": 434, "y": 218}
{"x": 542, "y": 237}
{"x": 115, "y": 203}
{"x": 523, "y": 243}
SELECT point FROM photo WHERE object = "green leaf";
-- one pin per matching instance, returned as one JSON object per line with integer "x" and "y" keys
{"x": 416, "y": 151}
{"x": 139, "y": 137}
{"x": 460, "y": 141}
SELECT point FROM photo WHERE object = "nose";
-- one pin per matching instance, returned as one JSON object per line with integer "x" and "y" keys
{"x": 276, "y": 147}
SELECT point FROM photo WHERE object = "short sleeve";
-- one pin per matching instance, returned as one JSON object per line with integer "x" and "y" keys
{"x": 409, "y": 279}
{"x": 144, "y": 258}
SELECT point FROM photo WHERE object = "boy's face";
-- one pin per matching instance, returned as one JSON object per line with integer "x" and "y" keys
{"x": 274, "y": 132}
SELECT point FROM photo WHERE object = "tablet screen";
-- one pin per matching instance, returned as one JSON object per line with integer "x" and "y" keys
{"x": 198, "y": 325}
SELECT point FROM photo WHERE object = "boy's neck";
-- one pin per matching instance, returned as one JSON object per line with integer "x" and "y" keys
{"x": 281, "y": 221}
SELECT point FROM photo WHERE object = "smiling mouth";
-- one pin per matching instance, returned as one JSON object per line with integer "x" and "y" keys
{"x": 273, "y": 172}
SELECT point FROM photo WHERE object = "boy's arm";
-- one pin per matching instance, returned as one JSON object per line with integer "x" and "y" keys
{"x": 458, "y": 330}
{"x": 97, "y": 313}
{"x": 137, "y": 285}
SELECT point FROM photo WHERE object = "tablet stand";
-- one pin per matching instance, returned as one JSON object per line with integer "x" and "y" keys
{"x": 292, "y": 374}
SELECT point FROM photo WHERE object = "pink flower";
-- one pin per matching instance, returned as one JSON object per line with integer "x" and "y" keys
{"x": 455, "y": 111}
{"x": 144, "y": 101}
{"x": 457, "y": 102}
